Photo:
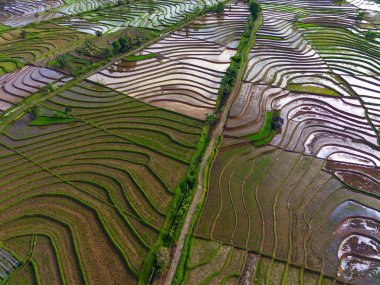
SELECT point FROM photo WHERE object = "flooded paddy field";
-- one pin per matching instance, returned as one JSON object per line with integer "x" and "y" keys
{"x": 299, "y": 200}
{"x": 182, "y": 72}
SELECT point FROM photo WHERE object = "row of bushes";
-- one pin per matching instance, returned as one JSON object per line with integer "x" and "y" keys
{"x": 226, "y": 86}
{"x": 229, "y": 78}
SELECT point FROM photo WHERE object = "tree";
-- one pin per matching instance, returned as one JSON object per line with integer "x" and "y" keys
{"x": 255, "y": 9}
{"x": 211, "y": 119}
{"x": 98, "y": 34}
{"x": 63, "y": 59}
{"x": 359, "y": 16}
{"x": 220, "y": 7}
{"x": 51, "y": 87}
{"x": 23, "y": 34}
{"x": 116, "y": 46}
{"x": 162, "y": 259}
{"x": 124, "y": 43}
{"x": 68, "y": 111}
{"x": 89, "y": 47}
{"x": 277, "y": 122}
{"x": 37, "y": 111}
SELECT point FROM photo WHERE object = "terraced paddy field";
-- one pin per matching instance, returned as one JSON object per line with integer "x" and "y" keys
{"x": 32, "y": 45}
{"x": 293, "y": 193}
{"x": 211, "y": 262}
{"x": 15, "y": 86}
{"x": 92, "y": 194}
{"x": 16, "y": 14}
{"x": 156, "y": 15}
{"x": 183, "y": 71}
{"x": 91, "y": 178}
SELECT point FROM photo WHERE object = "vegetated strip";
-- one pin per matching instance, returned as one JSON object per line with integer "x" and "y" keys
{"x": 17, "y": 110}
{"x": 227, "y": 92}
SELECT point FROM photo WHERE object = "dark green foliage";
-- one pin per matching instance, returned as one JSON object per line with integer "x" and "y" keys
{"x": 277, "y": 122}
{"x": 63, "y": 59}
{"x": 116, "y": 46}
{"x": 371, "y": 35}
{"x": 68, "y": 111}
{"x": 359, "y": 16}
{"x": 98, "y": 33}
{"x": 220, "y": 7}
{"x": 122, "y": 44}
{"x": 255, "y": 10}
{"x": 36, "y": 111}
{"x": 121, "y": 2}
{"x": 231, "y": 73}
{"x": 211, "y": 119}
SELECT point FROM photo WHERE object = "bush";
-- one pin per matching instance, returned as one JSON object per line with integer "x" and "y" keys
{"x": 211, "y": 119}
{"x": 116, "y": 46}
{"x": 98, "y": 33}
{"x": 63, "y": 59}
{"x": 162, "y": 259}
{"x": 371, "y": 35}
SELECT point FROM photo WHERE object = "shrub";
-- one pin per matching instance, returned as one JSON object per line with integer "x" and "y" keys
{"x": 371, "y": 35}
{"x": 162, "y": 259}
{"x": 116, "y": 46}
{"x": 36, "y": 111}
{"x": 63, "y": 59}
{"x": 98, "y": 33}
{"x": 211, "y": 119}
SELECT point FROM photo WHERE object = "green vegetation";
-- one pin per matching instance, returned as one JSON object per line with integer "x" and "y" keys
{"x": 267, "y": 131}
{"x": 220, "y": 7}
{"x": 254, "y": 9}
{"x": 162, "y": 259}
{"x": 229, "y": 79}
{"x": 371, "y": 35}
{"x": 8, "y": 65}
{"x": 311, "y": 88}
{"x": 118, "y": 166}
{"x": 140, "y": 57}
{"x": 268, "y": 37}
{"x": 43, "y": 116}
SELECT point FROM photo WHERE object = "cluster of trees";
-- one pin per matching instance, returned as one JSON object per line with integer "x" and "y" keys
{"x": 121, "y": 45}
{"x": 38, "y": 111}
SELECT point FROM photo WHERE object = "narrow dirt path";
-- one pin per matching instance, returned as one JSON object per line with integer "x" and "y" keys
{"x": 215, "y": 133}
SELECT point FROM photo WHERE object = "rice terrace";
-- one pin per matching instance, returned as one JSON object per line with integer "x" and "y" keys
{"x": 190, "y": 142}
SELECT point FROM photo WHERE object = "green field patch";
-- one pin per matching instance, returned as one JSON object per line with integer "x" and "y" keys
{"x": 3, "y": 28}
{"x": 311, "y": 88}
{"x": 268, "y": 37}
{"x": 43, "y": 121}
{"x": 140, "y": 57}
{"x": 44, "y": 116}
{"x": 8, "y": 65}
{"x": 266, "y": 132}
